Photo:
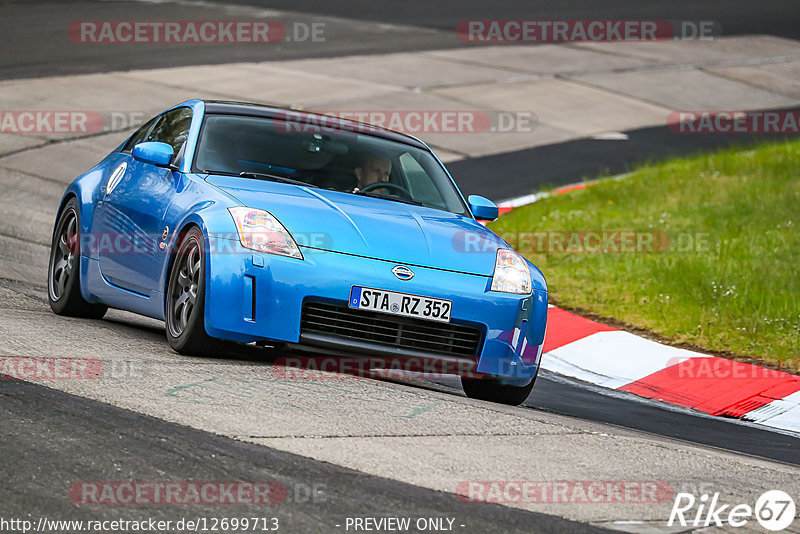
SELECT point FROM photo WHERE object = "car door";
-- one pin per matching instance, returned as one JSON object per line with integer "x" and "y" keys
{"x": 129, "y": 220}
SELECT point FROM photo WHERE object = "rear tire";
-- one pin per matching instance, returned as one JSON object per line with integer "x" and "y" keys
{"x": 492, "y": 390}
{"x": 185, "y": 300}
{"x": 64, "y": 267}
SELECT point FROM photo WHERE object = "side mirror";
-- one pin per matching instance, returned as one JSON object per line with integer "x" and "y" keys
{"x": 482, "y": 208}
{"x": 153, "y": 152}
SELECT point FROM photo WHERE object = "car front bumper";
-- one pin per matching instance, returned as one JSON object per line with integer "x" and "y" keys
{"x": 252, "y": 296}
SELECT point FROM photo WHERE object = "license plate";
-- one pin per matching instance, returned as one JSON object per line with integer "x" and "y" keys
{"x": 393, "y": 303}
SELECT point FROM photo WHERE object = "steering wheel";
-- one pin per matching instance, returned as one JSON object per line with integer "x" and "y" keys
{"x": 388, "y": 185}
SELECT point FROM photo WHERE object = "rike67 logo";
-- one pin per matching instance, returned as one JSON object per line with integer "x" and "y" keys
{"x": 774, "y": 510}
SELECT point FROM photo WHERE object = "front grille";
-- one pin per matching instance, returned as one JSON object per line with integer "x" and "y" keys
{"x": 404, "y": 332}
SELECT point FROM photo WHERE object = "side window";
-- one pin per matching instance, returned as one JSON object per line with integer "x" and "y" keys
{"x": 140, "y": 134}
{"x": 172, "y": 128}
{"x": 420, "y": 184}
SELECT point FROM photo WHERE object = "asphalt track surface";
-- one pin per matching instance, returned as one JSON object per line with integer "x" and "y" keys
{"x": 56, "y": 438}
{"x": 576, "y": 399}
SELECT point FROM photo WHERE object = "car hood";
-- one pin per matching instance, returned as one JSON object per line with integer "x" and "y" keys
{"x": 371, "y": 227}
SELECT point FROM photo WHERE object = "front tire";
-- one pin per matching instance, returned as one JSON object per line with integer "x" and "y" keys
{"x": 185, "y": 299}
{"x": 64, "y": 267}
{"x": 492, "y": 390}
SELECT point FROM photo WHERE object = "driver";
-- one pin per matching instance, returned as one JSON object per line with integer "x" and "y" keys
{"x": 372, "y": 168}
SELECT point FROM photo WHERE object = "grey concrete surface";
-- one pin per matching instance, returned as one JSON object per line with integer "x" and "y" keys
{"x": 573, "y": 107}
{"x": 740, "y": 48}
{"x": 571, "y": 91}
{"x": 544, "y": 60}
{"x": 680, "y": 90}
{"x": 780, "y": 78}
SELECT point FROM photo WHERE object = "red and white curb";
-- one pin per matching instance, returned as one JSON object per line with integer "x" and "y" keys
{"x": 614, "y": 359}
{"x": 508, "y": 205}
{"x": 611, "y": 358}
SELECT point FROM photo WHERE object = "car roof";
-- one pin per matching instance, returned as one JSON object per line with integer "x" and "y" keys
{"x": 314, "y": 119}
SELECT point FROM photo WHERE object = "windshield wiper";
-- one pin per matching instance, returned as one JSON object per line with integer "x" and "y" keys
{"x": 274, "y": 178}
{"x": 388, "y": 197}
{"x": 261, "y": 176}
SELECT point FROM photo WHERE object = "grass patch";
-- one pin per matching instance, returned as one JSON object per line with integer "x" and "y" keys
{"x": 728, "y": 279}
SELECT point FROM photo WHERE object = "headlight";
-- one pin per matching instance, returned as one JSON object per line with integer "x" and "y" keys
{"x": 259, "y": 230}
{"x": 511, "y": 274}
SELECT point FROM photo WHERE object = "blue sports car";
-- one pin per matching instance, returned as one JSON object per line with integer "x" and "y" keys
{"x": 255, "y": 224}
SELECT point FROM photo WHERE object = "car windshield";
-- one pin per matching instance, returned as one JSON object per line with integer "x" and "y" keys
{"x": 324, "y": 157}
